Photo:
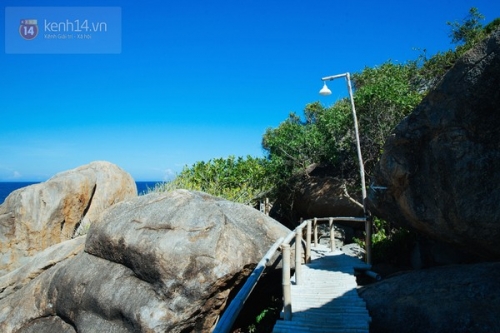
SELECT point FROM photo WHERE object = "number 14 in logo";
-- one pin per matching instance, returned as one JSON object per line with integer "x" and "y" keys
{"x": 28, "y": 29}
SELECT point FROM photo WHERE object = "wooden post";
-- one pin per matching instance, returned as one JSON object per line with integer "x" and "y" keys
{"x": 368, "y": 240}
{"x": 298, "y": 256}
{"x": 332, "y": 234}
{"x": 368, "y": 226}
{"x": 287, "y": 292}
{"x": 308, "y": 243}
{"x": 315, "y": 226}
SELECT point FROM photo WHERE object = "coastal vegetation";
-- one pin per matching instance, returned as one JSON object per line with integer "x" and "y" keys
{"x": 237, "y": 179}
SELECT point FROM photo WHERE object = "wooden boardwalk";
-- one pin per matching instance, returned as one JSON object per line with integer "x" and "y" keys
{"x": 326, "y": 299}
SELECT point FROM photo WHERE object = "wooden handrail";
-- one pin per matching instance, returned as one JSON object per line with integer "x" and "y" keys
{"x": 227, "y": 320}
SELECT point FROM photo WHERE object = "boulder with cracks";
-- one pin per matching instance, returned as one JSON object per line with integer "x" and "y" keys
{"x": 156, "y": 263}
{"x": 36, "y": 217}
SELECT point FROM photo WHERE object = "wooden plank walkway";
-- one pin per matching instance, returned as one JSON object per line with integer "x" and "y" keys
{"x": 327, "y": 299}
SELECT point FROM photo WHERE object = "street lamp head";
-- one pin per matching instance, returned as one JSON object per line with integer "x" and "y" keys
{"x": 325, "y": 91}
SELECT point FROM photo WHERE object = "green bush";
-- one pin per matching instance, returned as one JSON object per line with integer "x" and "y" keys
{"x": 384, "y": 95}
{"x": 242, "y": 180}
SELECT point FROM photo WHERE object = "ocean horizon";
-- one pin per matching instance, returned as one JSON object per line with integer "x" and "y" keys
{"x": 7, "y": 188}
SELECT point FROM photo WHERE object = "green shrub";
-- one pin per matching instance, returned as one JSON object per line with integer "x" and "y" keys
{"x": 242, "y": 180}
{"x": 390, "y": 244}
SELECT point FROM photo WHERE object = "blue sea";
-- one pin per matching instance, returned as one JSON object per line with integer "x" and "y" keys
{"x": 7, "y": 187}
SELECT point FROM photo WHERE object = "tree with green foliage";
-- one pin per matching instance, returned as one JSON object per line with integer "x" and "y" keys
{"x": 383, "y": 96}
{"x": 470, "y": 30}
{"x": 293, "y": 145}
{"x": 325, "y": 135}
{"x": 299, "y": 142}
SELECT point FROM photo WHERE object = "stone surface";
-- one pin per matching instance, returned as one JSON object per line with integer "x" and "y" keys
{"x": 155, "y": 263}
{"x": 441, "y": 165}
{"x": 454, "y": 298}
{"x": 48, "y": 325}
{"x": 317, "y": 194}
{"x": 41, "y": 215}
{"x": 325, "y": 197}
{"x": 39, "y": 263}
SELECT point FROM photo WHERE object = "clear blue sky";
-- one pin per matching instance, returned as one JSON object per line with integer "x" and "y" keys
{"x": 197, "y": 80}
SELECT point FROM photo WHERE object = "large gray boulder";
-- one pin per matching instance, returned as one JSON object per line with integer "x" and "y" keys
{"x": 36, "y": 217}
{"x": 155, "y": 263}
{"x": 454, "y": 298}
{"x": 441, "y": 165}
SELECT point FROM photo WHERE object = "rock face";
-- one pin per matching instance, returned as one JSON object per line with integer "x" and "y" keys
{"x": 441, "y": 165}
{"x": 18, "y": 278}
{"x": 324, "y": 197}
{"x": 38, "y": 216}
{"x": 455, "y": 298}
{"x": 156, "y": 263}
{"x": 317, "y": 194}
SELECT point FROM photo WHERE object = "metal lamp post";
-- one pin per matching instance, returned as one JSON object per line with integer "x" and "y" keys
{"x": 368, "y": 227}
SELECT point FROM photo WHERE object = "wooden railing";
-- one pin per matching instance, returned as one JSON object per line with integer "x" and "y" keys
{"x": 311, "y": 225}
{"x": 227, "y": 320}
